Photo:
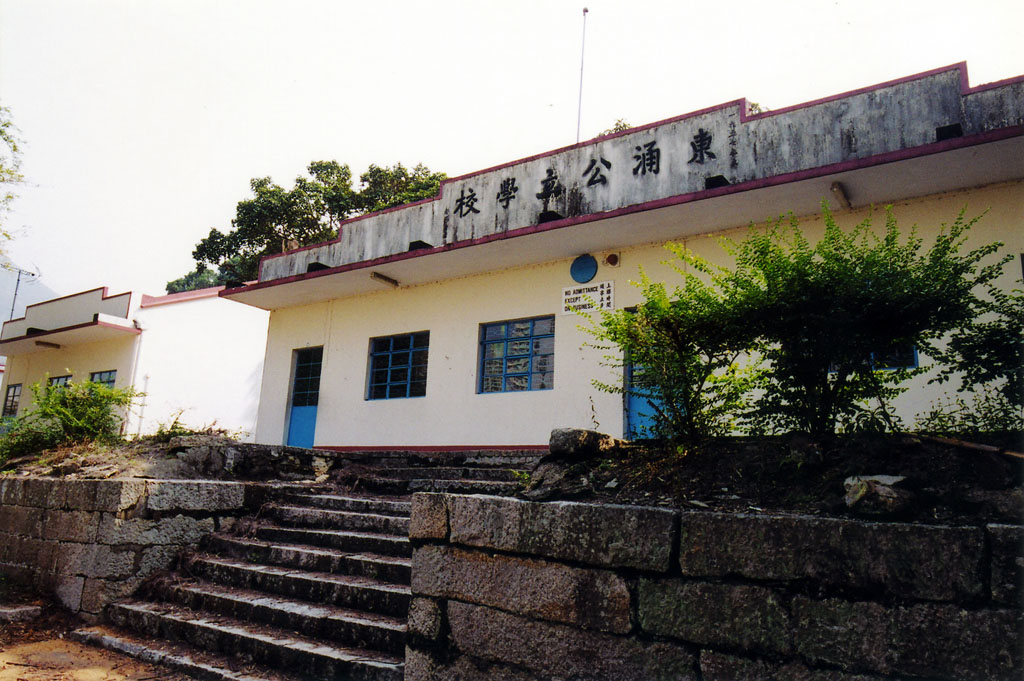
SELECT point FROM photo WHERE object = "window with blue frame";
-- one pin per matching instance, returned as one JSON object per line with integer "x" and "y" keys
{"x": 12, "y": 400}
{"x": 60, "y": 380}
{"x": 306, "y": 385}
{"x": 517, "y": 355}
{"x": 398, "y": 366}
{"x": 107, "y": 378}
{"x": 895, "y": 357}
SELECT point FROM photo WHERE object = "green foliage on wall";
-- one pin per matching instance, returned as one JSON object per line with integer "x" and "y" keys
{"x": 67, "y": 414}
{"x": 813, "y": 324}
{"x": 276, "y": 219}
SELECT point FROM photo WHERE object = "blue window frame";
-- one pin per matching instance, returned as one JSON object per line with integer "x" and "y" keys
{"x": 517, "y": 355}
{"x": 398, "y": 366}
{"x": 60, "y": 380}
{"x": 306, "y": 387}
{"x": 895, "y": 357}
{"x": 107, "y": 378}
{"x": 12, "y": 400}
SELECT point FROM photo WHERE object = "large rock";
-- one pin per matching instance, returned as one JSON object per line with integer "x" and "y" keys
{"x": 603, "y": 535}
{"x": 575, "y": 444}
{"x": 896, "y": 559}
{"x": 925, "y": 640}
{"x": 731, "y": 616}
{"x": 559, "y": 651}
{"x": 589, "y": 598}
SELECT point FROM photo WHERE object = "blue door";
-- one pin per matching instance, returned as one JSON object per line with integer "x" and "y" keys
{"x": 305, "y": 396}
{"x": 640, "y": 405}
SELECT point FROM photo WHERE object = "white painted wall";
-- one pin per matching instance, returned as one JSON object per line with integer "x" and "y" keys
{"x": 204, "y": 359}
{"x": 452, "y": 413}
{"x": 77, "y": 308}
{"x": 198, "y": 359}
{"x": 78, "y": 361}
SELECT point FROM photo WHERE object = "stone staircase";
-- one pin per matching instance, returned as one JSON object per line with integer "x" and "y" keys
{"x": 315, "y": 587}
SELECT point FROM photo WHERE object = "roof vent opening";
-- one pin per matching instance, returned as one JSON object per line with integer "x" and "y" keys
{"x": 316, "y": 267}
{"x": 715, "y": 181}
{"x": 419, "y": 245}
{"x": 948, "y": 132}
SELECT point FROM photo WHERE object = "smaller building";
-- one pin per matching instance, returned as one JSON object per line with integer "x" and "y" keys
{"x": 195, "y": 356}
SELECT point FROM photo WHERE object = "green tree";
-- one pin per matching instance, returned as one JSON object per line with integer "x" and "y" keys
{"x": 10, "y": 164}
{"x": 386, "y": 187}
{"x": 276, "y": 219}
{"x": 683, "y": 349}
{"x": 988, "y": 351}
{"x": 826, "y": 312}
{"x": 196, "y": 279}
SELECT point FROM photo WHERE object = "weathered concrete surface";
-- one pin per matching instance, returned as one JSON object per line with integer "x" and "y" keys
{"x": 912, "y": 561}
{"x": 614, "y": 536}
{"x": 589, "y": 598}
{"x": 890, "y": 118}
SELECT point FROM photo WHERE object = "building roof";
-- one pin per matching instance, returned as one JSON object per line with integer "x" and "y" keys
{"x": 85, "y": 317}
{"x": 696, "y": 173}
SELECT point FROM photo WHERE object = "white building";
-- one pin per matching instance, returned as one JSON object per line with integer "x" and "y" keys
{"x": 445, "y": 322}
{"x": 196, "y": 356}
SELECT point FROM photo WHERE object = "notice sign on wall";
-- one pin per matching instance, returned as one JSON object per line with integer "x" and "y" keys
{"x": 588, "y": 297}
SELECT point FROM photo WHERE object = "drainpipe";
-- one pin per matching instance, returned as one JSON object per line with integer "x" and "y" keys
{"x": 134, "y": 370}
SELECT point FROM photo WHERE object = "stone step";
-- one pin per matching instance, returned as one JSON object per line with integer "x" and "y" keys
{"x": 465, "y": 487}
{"x": 385, "y": 544}
{"x": 280, "y": 649}
{"x": 338, "y": 520}
{"x": 340, "y": 625}
{"x": 176, "y": 657}
{"x": 396, "y": 569}
{"x": 360, "y": 593}
{"x": 340, "y": 502}
{"x": 449, "y": 473}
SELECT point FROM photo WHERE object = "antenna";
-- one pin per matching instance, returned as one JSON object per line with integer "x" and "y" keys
{"x": 17, "y": 284}
{"x": 583, "y": 51}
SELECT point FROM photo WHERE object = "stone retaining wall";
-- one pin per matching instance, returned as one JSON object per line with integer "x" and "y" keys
{"x": 93, "y": 541}
{"x": 508, "y": 590}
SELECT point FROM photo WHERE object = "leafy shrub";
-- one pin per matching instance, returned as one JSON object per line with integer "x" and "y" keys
{"x": 682, "y": 350}
{"x": 67, "y": 414}
{"x": 987, "y": 353}
{"x": 821, "y": 315}
{"x": 825, "y": 311}
{"x": 988, "y": 411}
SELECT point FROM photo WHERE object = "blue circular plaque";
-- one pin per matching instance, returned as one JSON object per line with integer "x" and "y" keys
{"x": 583, "y": 269}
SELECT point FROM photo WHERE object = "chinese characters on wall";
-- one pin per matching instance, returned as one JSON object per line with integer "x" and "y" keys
{"x": 646, "y": 163}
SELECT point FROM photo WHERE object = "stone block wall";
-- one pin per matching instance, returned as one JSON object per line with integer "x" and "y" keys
{"x": 509, "y": 590}
{"x": 93, "y": 541}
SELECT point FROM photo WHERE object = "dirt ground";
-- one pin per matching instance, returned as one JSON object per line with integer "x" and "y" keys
{"x": 940, "y": 482}
{"x": 39, "y": 649}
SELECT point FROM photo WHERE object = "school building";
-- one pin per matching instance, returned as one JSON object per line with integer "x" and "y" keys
{"x": 195, "y": 356}
{"x": 449, "y": 322}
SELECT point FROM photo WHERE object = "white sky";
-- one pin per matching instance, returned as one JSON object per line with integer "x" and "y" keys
{"x": 144, "y": 120}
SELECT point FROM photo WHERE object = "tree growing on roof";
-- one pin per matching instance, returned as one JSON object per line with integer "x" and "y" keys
{"x": 10, "y": 164}
{"x": 276, "y": 219}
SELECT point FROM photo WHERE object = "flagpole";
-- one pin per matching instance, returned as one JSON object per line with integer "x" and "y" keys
{"x": 583, "y": 51}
